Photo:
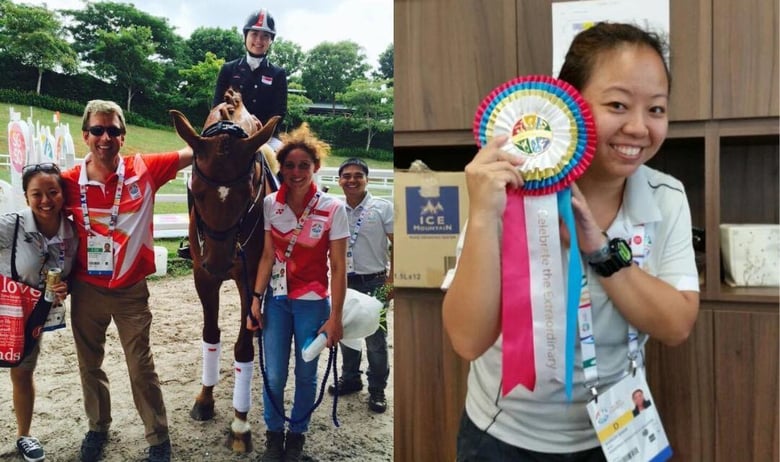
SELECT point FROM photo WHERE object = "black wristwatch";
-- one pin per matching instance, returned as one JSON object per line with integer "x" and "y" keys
{"x": 611, "y": 258}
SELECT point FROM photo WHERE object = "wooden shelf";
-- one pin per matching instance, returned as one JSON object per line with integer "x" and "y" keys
{"x": 749, "y": 294}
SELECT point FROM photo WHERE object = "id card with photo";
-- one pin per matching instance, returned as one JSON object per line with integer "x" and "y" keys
{"x": 279, "y": 279}
{"x": 627, "y": 422}
{"x": 100, "y": 256}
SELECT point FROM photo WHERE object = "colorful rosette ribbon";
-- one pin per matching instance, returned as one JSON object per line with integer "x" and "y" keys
{"x": 551, "y": 128}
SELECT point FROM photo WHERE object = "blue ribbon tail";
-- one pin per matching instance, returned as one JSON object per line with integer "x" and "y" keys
{"x": 573, "y": 287}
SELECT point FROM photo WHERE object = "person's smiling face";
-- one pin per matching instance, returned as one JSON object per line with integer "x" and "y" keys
{"x": 298, "y": 169}
{"x": 628, "y": 95}
{"x": 44, "y": 196}
{"x": 257, "y": 42}
{"x": 104, "y": 147}
{"x": 353, "y": 181}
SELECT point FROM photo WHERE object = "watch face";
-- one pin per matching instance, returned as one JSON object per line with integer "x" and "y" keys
{"x": 623, "y": 250}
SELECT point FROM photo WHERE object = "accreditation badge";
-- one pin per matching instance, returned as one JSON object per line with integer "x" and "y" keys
{"x": 279, "y": 279}
{"x": 627, "y": 422}
{"x": 100, "y": 255}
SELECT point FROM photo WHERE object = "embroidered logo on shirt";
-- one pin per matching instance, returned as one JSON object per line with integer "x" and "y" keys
{"x": 135, "y": 191}
{"x": 316, "y": 230}
{"x": 267, "y": 80}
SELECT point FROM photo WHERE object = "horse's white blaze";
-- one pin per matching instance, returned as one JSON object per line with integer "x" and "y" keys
{"x": 223, "y": 192}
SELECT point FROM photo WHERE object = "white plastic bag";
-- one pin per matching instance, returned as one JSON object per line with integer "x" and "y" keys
{"x": 360, "y": 318}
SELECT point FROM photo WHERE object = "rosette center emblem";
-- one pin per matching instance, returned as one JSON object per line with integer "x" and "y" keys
{"x": 532, "y": 135}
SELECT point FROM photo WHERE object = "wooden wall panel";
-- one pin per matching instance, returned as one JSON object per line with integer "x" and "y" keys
{"x": 680, "y": 379}
{"x": 690, "y": 61}
{"x": 450, "y": 54}
{"x": 429, "y": 380}
{"x": 746, "y": 385}
{"x": 745, "y": 58}
{"x": 534, "y": 37}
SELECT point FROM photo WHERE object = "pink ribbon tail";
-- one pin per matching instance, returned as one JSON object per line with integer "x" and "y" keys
{"x": 518, "y": 365}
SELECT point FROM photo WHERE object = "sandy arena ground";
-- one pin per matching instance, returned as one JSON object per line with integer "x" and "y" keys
{"x": 60, "y": 424}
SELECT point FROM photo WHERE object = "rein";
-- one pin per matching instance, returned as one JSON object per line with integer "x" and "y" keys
{"x": 331, "y": 363}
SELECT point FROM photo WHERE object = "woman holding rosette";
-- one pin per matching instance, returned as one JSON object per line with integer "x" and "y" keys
{"x": 633, "y": 231}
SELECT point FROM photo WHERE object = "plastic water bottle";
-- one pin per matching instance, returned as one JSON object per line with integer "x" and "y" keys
{"x": 313, "y": 346}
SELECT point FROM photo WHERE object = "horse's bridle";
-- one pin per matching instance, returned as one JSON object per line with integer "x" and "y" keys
{"x": 233, "y": 130}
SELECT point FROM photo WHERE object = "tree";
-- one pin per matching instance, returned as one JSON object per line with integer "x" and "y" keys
{"x": 100, "y": 16}
{"x": 289, "y": 56}
{"x": 297, "y": 104}
{"x": 225, "y": 44}
{"x": 386, "y": 69}
{"x": 199, "y": 79}
{"x": 124, "y": 57}
{"x": 330, "y": 68}
{"x": 33, "y": 37}
{"x": 372, "y": 101}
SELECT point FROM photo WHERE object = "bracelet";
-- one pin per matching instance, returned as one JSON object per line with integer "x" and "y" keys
{"x": 599, "y": 255}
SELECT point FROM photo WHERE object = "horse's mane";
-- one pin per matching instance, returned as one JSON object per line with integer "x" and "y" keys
{"x": 270, "y": 157}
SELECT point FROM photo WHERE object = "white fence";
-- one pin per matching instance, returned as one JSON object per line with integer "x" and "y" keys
{"x": 380, "y": 183}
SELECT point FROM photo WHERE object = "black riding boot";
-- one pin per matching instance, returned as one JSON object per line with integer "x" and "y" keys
{"x": 274, "y": 447}
{"x": 293, "y": 448}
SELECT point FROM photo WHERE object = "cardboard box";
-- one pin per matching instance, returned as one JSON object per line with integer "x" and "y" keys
{"x": 430, "y": 210}
{"x": 751, "y": 254}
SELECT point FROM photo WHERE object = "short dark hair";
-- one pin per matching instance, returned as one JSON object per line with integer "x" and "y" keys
{"x": 354, "y": 161}
{"x": 588, "y": 45}
{"x": 30, "y": 171}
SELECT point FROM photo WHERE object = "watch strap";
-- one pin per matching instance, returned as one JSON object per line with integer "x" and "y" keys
{"x": 619, "y": 257}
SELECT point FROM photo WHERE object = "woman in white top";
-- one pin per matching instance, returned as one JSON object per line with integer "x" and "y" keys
{"x": 44, "y": 240}
{"x": 620, "y": 71}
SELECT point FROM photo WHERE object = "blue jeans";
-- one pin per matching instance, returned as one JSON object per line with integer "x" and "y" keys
{"x": 285, "y": 320}
{"x": 376, "y": 346}
{"x": 476, "y": 445}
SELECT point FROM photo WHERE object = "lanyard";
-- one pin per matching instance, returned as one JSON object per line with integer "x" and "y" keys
{"x": 300, "y": 224}
{"x": 45, "y": 257}
{"x": 120, "y": 172}
{"x": 356, "y": 230}
{"x": 585, "y": 324}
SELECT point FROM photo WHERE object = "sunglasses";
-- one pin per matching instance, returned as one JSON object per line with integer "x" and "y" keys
{"x": 45, "y": 167}
{"x": 98, "y": 130}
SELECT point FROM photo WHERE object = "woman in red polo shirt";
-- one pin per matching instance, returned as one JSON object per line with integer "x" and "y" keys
{"x": 306, "y": 233}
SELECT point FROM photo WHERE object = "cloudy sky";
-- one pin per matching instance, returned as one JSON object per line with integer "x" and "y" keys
{"x": 305, "y": 22}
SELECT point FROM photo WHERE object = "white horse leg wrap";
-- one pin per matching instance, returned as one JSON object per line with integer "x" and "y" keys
{"x": 242, "y": 397}
{"x": 211, "y": 353}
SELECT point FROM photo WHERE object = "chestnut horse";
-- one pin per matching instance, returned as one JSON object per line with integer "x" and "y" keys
{"x": 226, "y": 240}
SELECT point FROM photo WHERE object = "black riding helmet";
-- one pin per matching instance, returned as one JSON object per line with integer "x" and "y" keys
{"x": 261, "y": 20}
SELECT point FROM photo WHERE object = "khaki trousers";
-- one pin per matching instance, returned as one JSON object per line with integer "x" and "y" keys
{"x": 92, "y": 309}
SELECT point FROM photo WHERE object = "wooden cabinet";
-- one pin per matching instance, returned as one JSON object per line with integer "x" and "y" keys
{"x": 429, "y": 381}
{"x": 452, "y": 53}
{"x": 745, "y": 58}
{"x": 717, "y": 393}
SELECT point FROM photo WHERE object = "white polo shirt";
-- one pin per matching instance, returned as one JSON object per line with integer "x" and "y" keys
{"x": 369, "y": 252}
{"x": 543, "y": 420}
